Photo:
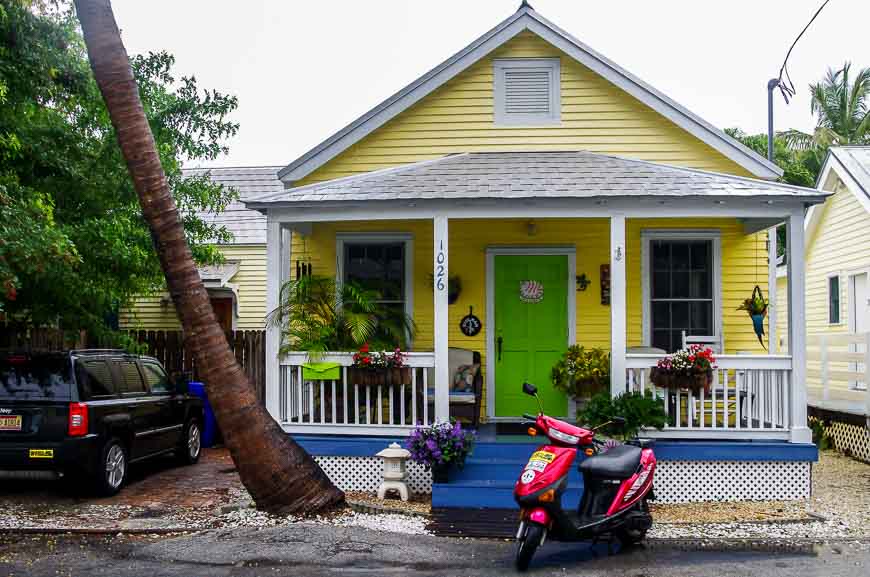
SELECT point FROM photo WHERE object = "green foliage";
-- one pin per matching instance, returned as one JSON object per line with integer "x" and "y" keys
{"x": 581, "y": 372}
{"x": 841, "y": 105}
{"x": 73, "y": 244}
{"x": 800, "y": 167}
{"x": 639, "y": 411}
{"x": 316, "y": 315}
{"x": 821, "y": 438}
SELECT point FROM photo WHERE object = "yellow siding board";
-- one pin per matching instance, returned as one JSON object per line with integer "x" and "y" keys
{"x": 458, "y": 117}
{"x": 147, "y": 312}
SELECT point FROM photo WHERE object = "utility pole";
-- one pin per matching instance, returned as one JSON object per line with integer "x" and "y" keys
{"x": 771, "y": 85}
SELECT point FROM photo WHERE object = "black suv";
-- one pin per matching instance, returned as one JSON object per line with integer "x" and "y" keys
{"x": 90, "y": 413}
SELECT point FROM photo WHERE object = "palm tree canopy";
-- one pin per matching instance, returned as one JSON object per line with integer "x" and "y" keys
{"x": 840, "y": 104}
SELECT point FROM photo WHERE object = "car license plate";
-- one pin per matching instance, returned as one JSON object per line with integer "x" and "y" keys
{"x": 41, "y": 453}
{"x": 10, "y": 422}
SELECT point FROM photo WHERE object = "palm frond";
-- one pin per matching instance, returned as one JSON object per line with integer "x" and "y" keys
{"x": 797, "y": 140}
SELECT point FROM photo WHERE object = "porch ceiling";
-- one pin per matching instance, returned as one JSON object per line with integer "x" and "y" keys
{"x": 519, "y": 175}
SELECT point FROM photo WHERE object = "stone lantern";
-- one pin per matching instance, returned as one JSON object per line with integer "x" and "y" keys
{"x": 395, "y": 472}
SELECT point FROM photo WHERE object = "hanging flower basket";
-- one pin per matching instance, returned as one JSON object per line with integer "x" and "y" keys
{"x": 756, "y": 307}
{"x": 690, "y": 368}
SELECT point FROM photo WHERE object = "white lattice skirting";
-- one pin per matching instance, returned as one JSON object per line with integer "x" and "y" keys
{"x": 693, "y": 481}
{"x": 676, "y": 481}
{"x": 853, "y": 440}
{"x": 365, "y": 474}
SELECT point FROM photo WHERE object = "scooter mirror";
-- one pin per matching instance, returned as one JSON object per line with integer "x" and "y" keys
{"x": 530, "y": 389}
{"x": 619, "y": 421}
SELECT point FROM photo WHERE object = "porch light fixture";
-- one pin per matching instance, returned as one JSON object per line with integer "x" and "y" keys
{"x": 395, "y": 471}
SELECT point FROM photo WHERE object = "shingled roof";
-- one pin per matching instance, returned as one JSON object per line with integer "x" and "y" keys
{"x": 530, "y": 175}
{"x": 247, "y": 226}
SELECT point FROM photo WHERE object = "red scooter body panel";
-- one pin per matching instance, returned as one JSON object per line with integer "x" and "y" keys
{"x": 546, "y": 467}
{"x": 635, "y": 487}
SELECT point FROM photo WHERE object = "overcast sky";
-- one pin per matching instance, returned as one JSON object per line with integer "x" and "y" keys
{"x": 304, "y": 69}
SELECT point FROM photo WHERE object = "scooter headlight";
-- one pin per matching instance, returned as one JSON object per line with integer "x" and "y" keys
{"x": 564, "y": 437}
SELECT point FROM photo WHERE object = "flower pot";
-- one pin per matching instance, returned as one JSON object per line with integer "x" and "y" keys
{"x": 441, "y": 473}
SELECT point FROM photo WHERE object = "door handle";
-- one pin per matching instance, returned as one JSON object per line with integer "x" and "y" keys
{"x": 499, "y": 341}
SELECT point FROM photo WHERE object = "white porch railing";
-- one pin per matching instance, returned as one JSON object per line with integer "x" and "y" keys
{"x": 343, "y": 406}
{"x": 838, "y": 371}
{"x": 750, "y": 397}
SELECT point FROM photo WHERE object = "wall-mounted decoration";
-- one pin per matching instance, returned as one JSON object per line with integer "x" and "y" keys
{"x": 470, "y": 325}
{"x": 454, "y": 287}
{"x": 605, "y": 284}
{"x": 531, "y": 291}
{"x": 583, "y": 282}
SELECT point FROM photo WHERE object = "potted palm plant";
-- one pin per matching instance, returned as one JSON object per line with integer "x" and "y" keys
{"x": 317, "y": 315}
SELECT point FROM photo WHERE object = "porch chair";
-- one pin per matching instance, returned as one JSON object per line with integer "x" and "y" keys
{"x": 466, "y": 389}
{"x": 712, "y": 341}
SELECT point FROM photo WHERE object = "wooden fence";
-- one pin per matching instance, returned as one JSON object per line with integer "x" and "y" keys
{"x": 249, "y": 347}
{"x": 167, "y": 346}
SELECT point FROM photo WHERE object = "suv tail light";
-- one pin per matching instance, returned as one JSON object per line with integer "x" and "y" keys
{"x": 78, "y": 420}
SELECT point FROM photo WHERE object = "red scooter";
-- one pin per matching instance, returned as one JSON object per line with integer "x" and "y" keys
{"x": 617, "y": 484}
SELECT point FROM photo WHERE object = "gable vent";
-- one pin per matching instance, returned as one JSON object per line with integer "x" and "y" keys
{"x": 527, "y": 91}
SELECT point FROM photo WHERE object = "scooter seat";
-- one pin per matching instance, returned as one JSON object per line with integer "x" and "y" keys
{"x": 620, "y": 462}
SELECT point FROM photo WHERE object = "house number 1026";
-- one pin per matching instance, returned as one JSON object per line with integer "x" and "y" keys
{"x": 440, "y": 273}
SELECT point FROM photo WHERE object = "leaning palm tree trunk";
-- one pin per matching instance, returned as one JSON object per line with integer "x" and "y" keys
{"x": 279, "y": 474}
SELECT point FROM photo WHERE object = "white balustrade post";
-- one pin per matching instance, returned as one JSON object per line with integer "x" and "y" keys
{"x": 867, "y": 375}
{"x": 797, "y": 341}
{"x": 278, "y": 240}
{"x": 441, "y": 324}
{"x": 772, "y": 343}
{"x": 617, "y": 305}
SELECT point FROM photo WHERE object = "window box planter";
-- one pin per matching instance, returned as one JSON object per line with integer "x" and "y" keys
{"x": 379, "y": 376}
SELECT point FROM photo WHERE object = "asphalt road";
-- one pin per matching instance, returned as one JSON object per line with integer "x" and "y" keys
{"x": 327, "y": 550}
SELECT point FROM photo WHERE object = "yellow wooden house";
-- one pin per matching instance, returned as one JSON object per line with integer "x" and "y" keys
{"x": 577, "y": 204}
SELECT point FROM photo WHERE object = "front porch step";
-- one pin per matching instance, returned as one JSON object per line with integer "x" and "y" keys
{"x": 490, "y": 494}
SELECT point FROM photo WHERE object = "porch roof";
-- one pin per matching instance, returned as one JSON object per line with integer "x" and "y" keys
{"x": 516, "y": 175}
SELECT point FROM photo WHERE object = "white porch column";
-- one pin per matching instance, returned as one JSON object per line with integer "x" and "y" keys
{"x": 617, "y": 304}
{"x": 441, "y": 326}
{"x": 772, "y": 339}
{"x": 278, "y": 271}
{"x": 797, "y": 338}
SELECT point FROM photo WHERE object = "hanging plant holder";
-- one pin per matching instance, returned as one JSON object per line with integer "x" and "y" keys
{"x": 756, "y": 307}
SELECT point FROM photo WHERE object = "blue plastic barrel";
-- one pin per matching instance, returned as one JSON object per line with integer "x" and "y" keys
{"x": 209, "y": 427}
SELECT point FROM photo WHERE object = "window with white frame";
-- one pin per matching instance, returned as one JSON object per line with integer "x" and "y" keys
{"x": 680, "y": 289}
{"x": 381, "y": 263}
{"x": 527, "y": 91}
{"x": 834, "y": 300}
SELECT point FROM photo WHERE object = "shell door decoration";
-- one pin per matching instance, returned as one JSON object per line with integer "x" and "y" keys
{"x": 531, "y": 291}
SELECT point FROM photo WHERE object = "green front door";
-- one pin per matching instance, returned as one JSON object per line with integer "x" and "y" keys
{"x": 531, "y": 330}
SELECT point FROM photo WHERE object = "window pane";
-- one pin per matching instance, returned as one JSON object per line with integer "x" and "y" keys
{"x": 661, "y": 255}
{"x": 661, "y": 339}
{"x": 131, "y": 380}
{"x": 661, "y": 314}
{"x": 680, "y": 255}
{"x": 701, "y": 255}
{"x": 157, "y": 380}
{"x": 680, "y": 285}
{"x": 699, "y": 285}
{"x": 702, "y": 318}
{"x": 680, "y": 315}
{"x": 661, "y": 285}
{"x": 377, "y": 266}
{"x": 834, "y": 299}
{"x": 95, "y": 378}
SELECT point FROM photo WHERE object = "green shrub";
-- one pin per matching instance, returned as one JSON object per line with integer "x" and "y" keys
{"x": 581, "y": 372}
{"x": 638, "y": 410}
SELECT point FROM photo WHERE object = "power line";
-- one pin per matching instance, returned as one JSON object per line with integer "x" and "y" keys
{"x": 788, "y": 90}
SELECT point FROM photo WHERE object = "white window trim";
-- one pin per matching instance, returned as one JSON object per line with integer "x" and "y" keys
{"x": 405, "y": 238}
{"x": 646, "y": 282}
{"x": 501, "y": 118}
{"x": 828, "y": 278}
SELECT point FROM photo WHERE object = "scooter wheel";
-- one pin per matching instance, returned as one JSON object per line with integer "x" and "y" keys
{"x": 527, "y": 546}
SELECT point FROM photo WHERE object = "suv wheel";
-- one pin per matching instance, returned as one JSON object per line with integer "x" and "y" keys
{"x": 112, "y": 471}
{"x": 190, "y": 445}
